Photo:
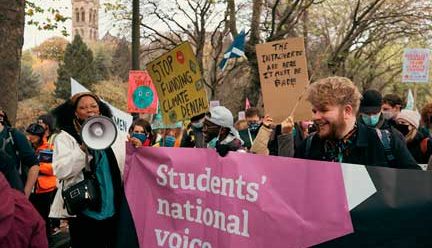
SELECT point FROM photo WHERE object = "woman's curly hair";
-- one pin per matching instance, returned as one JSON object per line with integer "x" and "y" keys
{"x": 64, "y": 114}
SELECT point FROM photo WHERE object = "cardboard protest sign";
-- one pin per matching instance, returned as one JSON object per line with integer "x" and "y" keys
{"x": 415, "y": 65}
{"x": 142, "y": 96}
{"x": 177, "y": 78}
{"x": 242, "y": 115}
{"x": 195, "y": 198}
{"x": 284, "y": 77}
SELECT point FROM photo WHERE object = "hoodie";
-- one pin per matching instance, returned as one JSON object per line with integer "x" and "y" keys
{"x": 20, "y": 223}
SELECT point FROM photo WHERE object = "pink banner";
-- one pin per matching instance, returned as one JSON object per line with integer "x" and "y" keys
{"x": 195, "y": 198}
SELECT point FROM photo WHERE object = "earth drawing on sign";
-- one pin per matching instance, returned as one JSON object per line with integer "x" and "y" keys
{"x": 143, "y": 97}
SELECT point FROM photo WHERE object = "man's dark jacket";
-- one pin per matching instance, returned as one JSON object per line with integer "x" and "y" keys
{"x": 366, "y": 149}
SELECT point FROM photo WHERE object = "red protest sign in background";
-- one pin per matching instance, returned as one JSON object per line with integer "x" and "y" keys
{"x": 142, "y": 96}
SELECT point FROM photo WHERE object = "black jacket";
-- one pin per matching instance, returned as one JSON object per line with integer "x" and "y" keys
{"x": 365, "y": 148}
{"x": 414, "y": 146}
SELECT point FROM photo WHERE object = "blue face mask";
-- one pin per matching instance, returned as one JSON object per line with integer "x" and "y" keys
{"x": 141, "y": 136}
{"x": 254, "y": 126}
{"x": 197, "y": 125}
{"x": 169, "y": 141}
{"x": 212, "y": 143}
{"x": 371, "y": 120}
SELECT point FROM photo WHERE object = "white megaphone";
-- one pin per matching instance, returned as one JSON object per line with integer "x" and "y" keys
{"x": 98, "y": 132}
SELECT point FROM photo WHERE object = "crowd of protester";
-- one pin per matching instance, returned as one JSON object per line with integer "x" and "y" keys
{"x": 50, "y": 156}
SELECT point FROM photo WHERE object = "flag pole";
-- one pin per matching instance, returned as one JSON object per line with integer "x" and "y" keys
{"x": 301, "y": 95}
{"x": 298, "y": 101}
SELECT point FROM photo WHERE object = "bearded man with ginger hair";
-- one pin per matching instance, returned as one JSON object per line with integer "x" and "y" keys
{"x": 340, "y": 138}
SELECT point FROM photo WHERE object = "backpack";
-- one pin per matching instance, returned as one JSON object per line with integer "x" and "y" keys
{"x": 8, "y": 165}
{"x": 15, "y": 154}
{"x": 10, "y": 140}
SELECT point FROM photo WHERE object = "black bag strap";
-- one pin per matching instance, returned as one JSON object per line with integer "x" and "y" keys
{"x": 385, "y": 138}
{"x": 10, "y": 139}
{"x": 87, "y": 171}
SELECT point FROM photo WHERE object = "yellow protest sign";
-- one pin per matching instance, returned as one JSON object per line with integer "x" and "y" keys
{"x": 177, "y": 78}
{"x": 284, "y": 78}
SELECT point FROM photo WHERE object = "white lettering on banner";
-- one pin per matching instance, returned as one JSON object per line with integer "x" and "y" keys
{"x": 181, "y": 242}
{"x": 235, "y": 188}
{"x": 232, "y": 224}
{"x": 196, "y": 212}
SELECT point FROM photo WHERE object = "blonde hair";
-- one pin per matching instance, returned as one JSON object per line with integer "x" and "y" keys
{"x": 241, "y": 125}
{"x": 334, "y": 91}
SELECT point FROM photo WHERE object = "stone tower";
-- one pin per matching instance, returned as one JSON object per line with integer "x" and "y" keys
{"x": 85, "y": 19}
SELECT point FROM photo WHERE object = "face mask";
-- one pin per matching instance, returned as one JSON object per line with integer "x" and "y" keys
{"x": 212, "y": 143}
{"x": 198, "y": 125}
{"x": 169, "y": 141}
{"x": 371, "y": 120}
{"x": 404, "y": 129}
{"x": 141, "y": 136}
{"x": 254, "y": 126}
{"x": 387, "y": 115}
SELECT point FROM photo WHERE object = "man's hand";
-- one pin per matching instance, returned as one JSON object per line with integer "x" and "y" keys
{"x": 287, "y": 125}
{"x": 267, "y": 121}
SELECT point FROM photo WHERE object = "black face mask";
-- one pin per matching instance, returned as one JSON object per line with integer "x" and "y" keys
{"x": 402, "y": 128}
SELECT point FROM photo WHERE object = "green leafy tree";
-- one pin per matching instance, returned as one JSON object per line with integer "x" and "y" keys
{"x": 102, "y": 65}
{"x": 121, "y": 60}
{"x": 11, "y": 41}
{"x": 29, "y": 83}
{"x": 77, "y": 63}
{"x": 52, "y": 49}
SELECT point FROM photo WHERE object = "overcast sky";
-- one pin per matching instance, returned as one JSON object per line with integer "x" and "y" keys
{"x": 33, "y": 36}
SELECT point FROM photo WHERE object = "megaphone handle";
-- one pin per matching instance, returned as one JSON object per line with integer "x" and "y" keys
{"x": 87, "y": 165}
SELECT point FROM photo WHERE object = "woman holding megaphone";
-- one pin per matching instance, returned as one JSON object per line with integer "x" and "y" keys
{"x": 93, "y": 222}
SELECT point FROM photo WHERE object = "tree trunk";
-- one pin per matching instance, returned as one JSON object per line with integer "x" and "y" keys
{"x": 11, "y": 42}
{"x": 232, "y": 17}
{"x": 135, "y": 34}
{"x": 253, "y": 91}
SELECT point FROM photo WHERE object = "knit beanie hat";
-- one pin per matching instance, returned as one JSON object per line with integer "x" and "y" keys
{"x": 410, "y": 116}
